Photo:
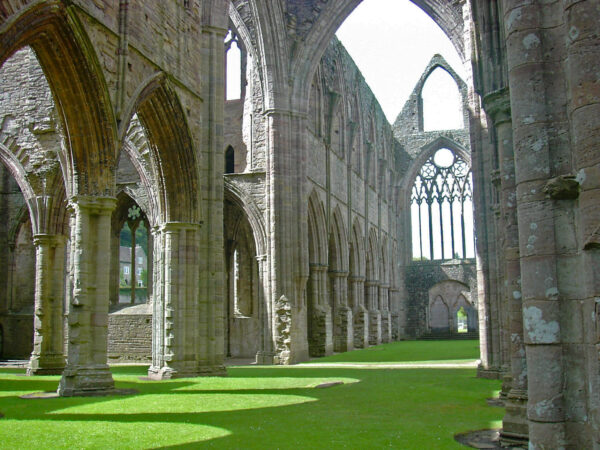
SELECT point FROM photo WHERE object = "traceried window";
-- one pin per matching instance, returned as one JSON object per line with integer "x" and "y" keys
{"x": 442, "y": 208}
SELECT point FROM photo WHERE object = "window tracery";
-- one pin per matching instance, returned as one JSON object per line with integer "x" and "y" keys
{"x": 442, "y": 209}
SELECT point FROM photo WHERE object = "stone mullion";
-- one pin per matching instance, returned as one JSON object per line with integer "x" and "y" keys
{"x": 531, "y": 30}
{"x": 515, "y": 428}
{"x": 87, "y": 369}
{"x": 48, "y": 343}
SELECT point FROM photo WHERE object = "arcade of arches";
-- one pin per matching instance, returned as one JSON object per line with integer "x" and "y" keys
{"x": 147, "y": 218}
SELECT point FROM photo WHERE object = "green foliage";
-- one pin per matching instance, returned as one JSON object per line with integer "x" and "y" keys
{"x": 259, "y": 407}
{"x": 141, "y": 237}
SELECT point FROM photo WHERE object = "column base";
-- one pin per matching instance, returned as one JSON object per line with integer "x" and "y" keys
{"x": 374, "y": 327}
{"x": 168, "y": 373}
{"x": 490, "y": 373}
{"x": 320, "y": 342}
{"x": 386, "y": 327}
{"x": 343, "y": 340}
{"x": 361, "y": 328}
{"x": 515, "y": 426}
{"x": 265, "y": 358}
{"x": 86, "y": 381}
{"x": 46, "y": 365}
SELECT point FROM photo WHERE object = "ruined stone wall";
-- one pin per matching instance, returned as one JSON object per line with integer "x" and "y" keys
{"x": 422, "y": 276}
{"x": 130, "y": 334}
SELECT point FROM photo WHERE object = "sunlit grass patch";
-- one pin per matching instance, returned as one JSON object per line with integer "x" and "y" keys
{"x": 260, "y": 407}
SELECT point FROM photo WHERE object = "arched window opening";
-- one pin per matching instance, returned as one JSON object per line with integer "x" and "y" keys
{"x": 442, "y": 208}
{"x": 133, "y": 258}
{"x": 442, "y": 105}
{"x": 233, "y": 66}
{"x": 230, "y": 160}
{"x": 461, "y": 320}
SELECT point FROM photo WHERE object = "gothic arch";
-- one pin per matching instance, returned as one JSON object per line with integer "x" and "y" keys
{"x": 338, "y": 243}
{"x": 253, "y": 214}
{"x": 75, "y": 78}
{"x": 317, "y": 231}
{"x": 447, "y": 15}
{"x": 171, "y": 148}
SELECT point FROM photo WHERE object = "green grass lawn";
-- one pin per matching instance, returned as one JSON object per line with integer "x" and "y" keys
{"x": 410, "y": 352}
{"x": 263, "y": 407}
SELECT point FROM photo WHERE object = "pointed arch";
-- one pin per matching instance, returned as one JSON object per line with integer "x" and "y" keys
{"x": 357, "y": 262}
{"x": 317, "y": 231}
{"x": 71, "y": 67}
{"x": 171, "y": 148}
{"x": 338, "y": 243}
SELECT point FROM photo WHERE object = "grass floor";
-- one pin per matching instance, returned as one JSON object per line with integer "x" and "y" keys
{"x": 265, "y": 407}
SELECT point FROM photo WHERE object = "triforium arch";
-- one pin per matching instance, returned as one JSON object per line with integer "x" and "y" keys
{"x": 356, "y": 285}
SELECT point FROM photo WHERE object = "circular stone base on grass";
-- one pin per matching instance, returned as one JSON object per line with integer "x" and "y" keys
{"x": 54, "y": 394}
{"x": 480, "y": 439}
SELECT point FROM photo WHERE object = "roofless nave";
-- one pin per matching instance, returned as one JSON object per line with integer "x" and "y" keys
{"x": 305, "y": 246}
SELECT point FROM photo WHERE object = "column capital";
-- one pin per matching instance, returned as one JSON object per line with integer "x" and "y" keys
{"x": 497, "y": 106}
{"x": 51, "y": 240}
{"x": 369, "y": 283}
{"x": 93, "y": 204}
{"x": 338, "y": 273}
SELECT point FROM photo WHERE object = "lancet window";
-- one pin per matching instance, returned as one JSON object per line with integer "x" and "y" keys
{"x": 442, "y": 208}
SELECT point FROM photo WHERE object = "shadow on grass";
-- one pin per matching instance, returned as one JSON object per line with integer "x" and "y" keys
{"x": 387, "y": 407}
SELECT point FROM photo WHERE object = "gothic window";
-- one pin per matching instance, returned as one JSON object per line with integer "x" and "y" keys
{"x": 442, "y": 208}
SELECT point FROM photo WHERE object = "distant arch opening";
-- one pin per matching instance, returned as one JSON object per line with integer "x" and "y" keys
{"x": 442, "y": 103}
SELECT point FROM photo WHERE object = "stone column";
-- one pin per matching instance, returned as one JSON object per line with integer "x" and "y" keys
{"x": 321, "y": 327}
{"x": 360, "y": 313}
{"x": 395, "y": 328}
{"x": 48, "y": 356}
{"x": 343, "y": 334}
{"x": 371, "y": 294}
{"x": 180, "y": 325}
{"x": 514, "y": 427}
{"x": 265, "y": 354}
{"x": 535, "y": 54}
{"x": 87, "y": 370}
{"x": 386, "y": 317}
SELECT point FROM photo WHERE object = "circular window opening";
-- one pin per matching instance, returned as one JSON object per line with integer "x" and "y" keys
{"x": 443, "y": 158}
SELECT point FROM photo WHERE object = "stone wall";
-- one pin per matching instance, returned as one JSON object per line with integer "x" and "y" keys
{"x": 130, "y": 334}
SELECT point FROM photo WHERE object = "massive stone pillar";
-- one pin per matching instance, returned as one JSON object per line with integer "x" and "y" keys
{"x": 265, "y": 354}
{"x": 343, "y": 334}
{"x": 180, "y": 325}
{"x": 386, "y": 316}
{"x": 360, "y": 313}
{"x": 514, "y": 426}
{"x": 87, "y": 371}
{"x": 48, "y": 356}
{"x": 320, "y": 320}
{"x": 372, "y": 295}
{"x": 287, "y": 227}
{"x": 535, "y": 50}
